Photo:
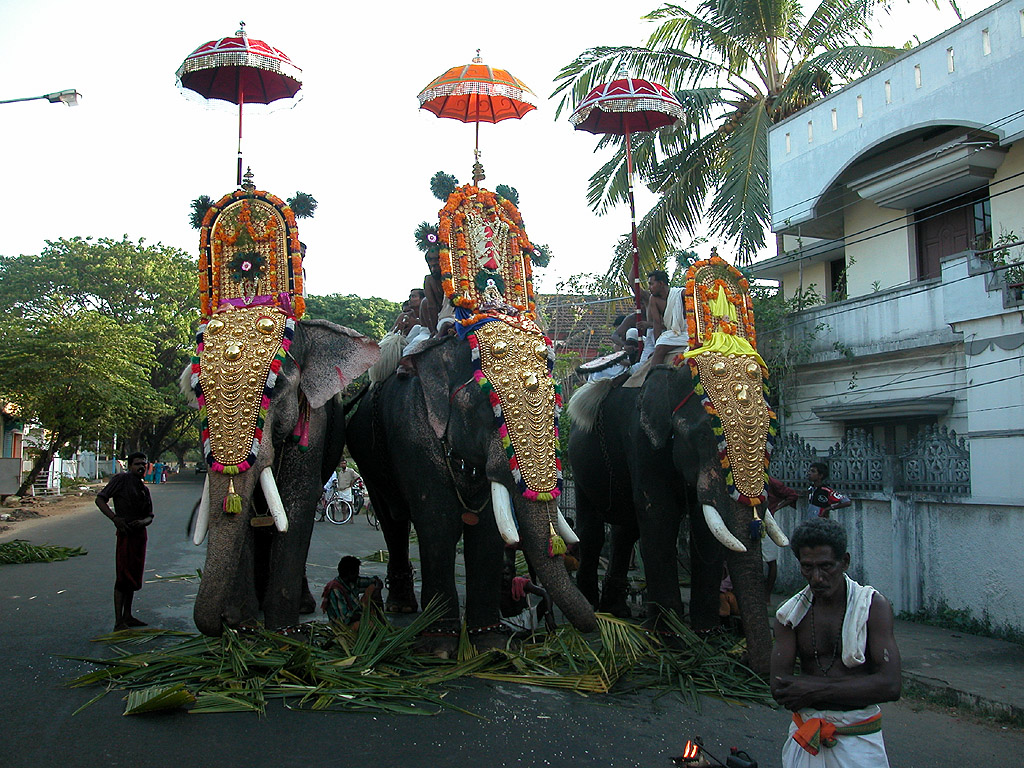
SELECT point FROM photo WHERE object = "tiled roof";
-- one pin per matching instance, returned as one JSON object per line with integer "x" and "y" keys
{"x": 580, "y": 323}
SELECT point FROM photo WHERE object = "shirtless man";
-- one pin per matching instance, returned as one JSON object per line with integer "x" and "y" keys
{"x": 434, "y": 298}
{"x": 657, "y": 282}
{"x": 842, "y": 633}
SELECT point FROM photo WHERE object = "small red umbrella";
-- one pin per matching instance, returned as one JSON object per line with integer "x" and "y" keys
{"x": 622, "y": 107}
{"x": 240, "y": 70}
{"x": 477, "y": 93}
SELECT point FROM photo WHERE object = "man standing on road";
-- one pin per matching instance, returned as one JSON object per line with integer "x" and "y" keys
{"x": 779, "y": 495}
{"x": 134, "y": 512}
{"x": 836, "y": 719}
{"x": 346, "y": 479}
{"x": 821, "y": 499}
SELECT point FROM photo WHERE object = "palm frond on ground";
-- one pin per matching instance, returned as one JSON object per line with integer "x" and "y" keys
{"x": 738, "y": 67}
{"x": 330, "y": 667}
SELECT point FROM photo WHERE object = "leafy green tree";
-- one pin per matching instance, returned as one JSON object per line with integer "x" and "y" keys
{"x": 146, "y": 292}
{"x": 372, "y": 317}
{"x": 737, "y": 67}
{"x": 79, "y": 375}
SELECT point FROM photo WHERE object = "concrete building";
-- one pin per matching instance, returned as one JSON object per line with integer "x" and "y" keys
{"x": 899, "y": 201}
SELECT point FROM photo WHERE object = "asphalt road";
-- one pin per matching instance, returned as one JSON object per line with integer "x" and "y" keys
{"x": 52, "y": 610}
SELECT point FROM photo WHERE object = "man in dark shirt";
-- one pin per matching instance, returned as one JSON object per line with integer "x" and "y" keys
{"x": 134, "y": 511}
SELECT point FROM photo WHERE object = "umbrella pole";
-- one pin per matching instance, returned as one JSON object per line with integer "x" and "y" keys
{"x": 241, "y": 101}
{"x": 632, "y": 220}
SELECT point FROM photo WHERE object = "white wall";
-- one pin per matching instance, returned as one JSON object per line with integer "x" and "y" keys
{"x": 877, "y": 248}
{"x": 921, "y": 554}
{"x": 1007, "y": 205}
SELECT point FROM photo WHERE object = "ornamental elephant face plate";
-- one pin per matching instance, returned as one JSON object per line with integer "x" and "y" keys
{"x": 514, "y": 360}
{"x": 240, "y": 347}
{"x": 720, "y": 320}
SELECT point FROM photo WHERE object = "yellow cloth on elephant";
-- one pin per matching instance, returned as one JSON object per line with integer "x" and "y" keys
{"x": 727, "y": 344}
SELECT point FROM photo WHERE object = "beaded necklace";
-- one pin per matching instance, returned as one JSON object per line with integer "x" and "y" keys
{"x": 835, "y": 646}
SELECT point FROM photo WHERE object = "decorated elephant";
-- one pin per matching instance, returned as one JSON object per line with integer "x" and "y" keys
{"x": 692, "y": 439}
{"x": 272, "y": 427}
{"x": 466, "y": 445}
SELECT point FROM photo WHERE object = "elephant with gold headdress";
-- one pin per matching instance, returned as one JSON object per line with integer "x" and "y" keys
{"x": 462, "y": 443}
{"x": 272, "y": 427}
{"x": 691, "y": 442}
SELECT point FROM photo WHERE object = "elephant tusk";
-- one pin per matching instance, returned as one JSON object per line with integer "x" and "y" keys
{"x": 567, "y": 533}
{"x": 202, "y": 515}
{"x": 721, "y": 531}
{"x": 502, "y": 503}
{"x": 774, "y": 531}
{"x": 274, "y": 504}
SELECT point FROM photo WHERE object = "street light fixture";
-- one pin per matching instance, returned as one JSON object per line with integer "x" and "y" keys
{"x": 69, "y": 96}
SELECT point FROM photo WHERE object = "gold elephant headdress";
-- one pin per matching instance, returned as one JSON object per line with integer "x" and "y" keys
{"x": 250, "y": 285}
{"x": 730, "y": 374}
{"x": 487, "y": 274}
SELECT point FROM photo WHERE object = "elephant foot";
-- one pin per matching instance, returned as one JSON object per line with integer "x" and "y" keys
{"x": 401, "y": 595}
{"x": 440, "y": 640}
{"x": 491, "y": 637}
{"x": 307, "y": 603}
{"x": 613, "y": 598}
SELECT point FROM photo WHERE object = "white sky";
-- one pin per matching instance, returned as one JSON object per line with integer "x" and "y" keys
{"x": 133, "y": 154}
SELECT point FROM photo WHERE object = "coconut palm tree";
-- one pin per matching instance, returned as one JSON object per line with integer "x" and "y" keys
{"x": 737, "y": 67}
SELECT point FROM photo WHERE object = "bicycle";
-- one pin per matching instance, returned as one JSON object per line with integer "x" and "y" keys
{"x": 338, "y": 511}
{"x": 333, "y": 507}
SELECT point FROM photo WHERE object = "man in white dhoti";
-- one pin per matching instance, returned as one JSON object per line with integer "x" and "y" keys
{"x": 667, "y": 315}
{"x": 842, "y": 633}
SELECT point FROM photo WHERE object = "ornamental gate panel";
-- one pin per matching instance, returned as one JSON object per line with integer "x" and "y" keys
{"x": 856, "y": 464}
{"x": 790, "y": 460}
{"x": 936, "y": 461}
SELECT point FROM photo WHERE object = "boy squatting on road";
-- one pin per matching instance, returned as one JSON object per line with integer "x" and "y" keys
{"x": 134, "y": 513}
{"x": 842, "y": 633}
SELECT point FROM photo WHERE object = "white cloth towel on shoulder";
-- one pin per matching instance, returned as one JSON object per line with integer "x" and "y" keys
{"x": 855, "y": 621}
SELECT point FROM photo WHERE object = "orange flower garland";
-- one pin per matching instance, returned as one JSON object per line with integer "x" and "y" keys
{"x": 703, "y": 295}
{"x": 211, "y": 253}
{"x": 453, "y": 222}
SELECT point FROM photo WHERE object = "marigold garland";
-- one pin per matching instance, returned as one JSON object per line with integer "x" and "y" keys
{"x": 211, "y": 249}
{"x": 452, "y": 235}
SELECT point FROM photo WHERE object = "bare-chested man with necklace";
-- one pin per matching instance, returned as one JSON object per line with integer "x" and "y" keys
{"x": 842, "y": 633}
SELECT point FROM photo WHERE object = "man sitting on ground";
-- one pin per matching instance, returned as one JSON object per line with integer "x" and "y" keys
{"x": 833, "y": 619}
{"x": 347, "y": 598}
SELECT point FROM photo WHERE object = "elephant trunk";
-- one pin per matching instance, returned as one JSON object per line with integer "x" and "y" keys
{"x": 745, "y": 565}
{"x": 535, "y": 521}
{"x": 227, "y": 591}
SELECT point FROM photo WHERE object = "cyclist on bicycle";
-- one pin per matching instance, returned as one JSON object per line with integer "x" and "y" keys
{"x": 346, "y": 478}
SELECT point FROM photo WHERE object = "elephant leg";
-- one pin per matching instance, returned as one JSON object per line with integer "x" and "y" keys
{"x": 658, "y": 518}
{"x": 590, "y": 529}
{"x": 706, "y": 558}
{"x": 298, "y": 480}
{"x": 438, "y": 528}
{"x": 401, "y": 591}
{"x": 615, "y": 589}
{"x": 484, "y": 556}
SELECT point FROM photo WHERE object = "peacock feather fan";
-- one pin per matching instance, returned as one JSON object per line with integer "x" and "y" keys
{"x": 442, "y": 185}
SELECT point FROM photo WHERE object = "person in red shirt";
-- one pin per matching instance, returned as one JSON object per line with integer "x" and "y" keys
{"x": 821, "y": 500}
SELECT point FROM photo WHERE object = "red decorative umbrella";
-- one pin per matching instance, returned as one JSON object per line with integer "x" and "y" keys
{"x": 240, "y": 70}
{"x": 477, "y": 93}
{"x": 623, "y": 107}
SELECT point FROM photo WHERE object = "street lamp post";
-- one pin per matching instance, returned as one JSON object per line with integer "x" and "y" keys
{"x": 69, "y": 96}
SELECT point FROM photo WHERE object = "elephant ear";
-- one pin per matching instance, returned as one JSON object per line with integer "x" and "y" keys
{"x": 330, "y": 356}
{"x": 436, "y": 366}
{"x": 659, "y": 396}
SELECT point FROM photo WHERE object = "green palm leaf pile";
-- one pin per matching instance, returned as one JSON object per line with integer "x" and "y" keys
{"x": 331, "y": 668}
{"x": 20, "y": 551}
